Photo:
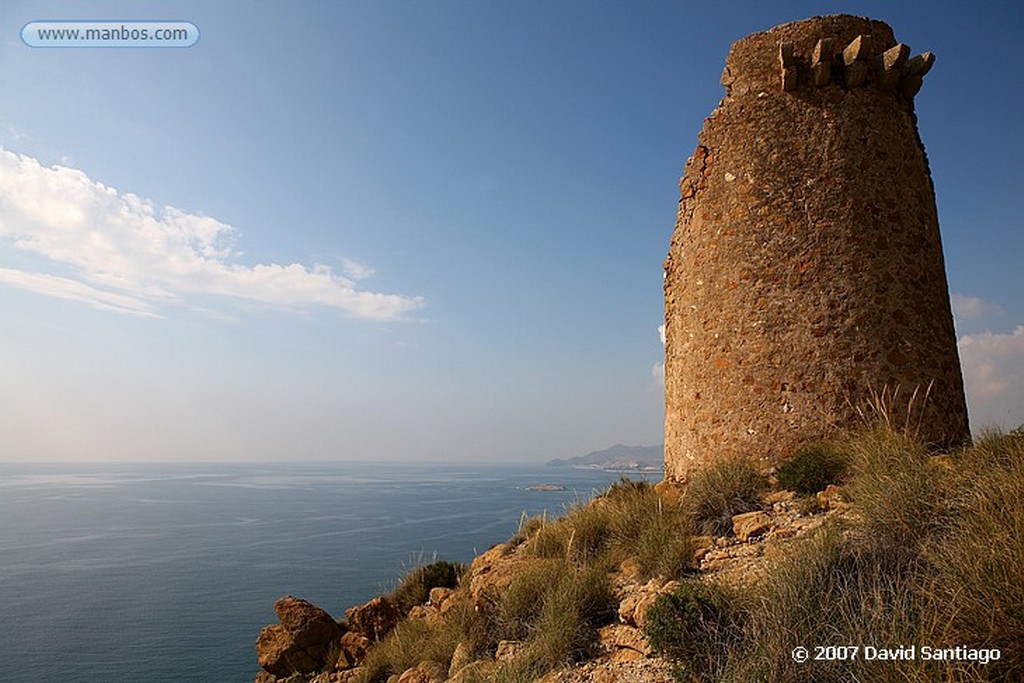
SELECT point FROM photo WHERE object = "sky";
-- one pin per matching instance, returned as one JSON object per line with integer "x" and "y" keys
{"x": 414, "y": 231}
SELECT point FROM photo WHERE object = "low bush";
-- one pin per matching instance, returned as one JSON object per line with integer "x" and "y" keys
{"x": 521, "y": 603}
{"x": 580, "y": 535}
{"x": 721, "y": 489}
{"x": 931, "y": 557}
{"x": 414, "y": 589}
{"x": 555, "y": 607}
{"x": 696, "y": 626}
{"x": 811, "y": 469}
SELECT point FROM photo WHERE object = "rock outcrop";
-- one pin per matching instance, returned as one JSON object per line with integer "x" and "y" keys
{"x": 301, "y": 643}
{"x": 308, "y": 646}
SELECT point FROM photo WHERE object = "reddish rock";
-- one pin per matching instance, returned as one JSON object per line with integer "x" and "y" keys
{"x": 354, "y": 646}
{"x": 750, "y": 524}
{"x": 831, "y": 498}
{"x": 439, "y": 595}
{"x": 374, "y": 619}
{"x": 301, "y": 643}
{"x": 424, "y": 672}
{"x": 277, "y": 654}
{"x": 615, "y": 638}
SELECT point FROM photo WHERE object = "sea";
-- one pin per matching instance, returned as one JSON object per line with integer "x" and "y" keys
{"x": 161, "y": 572}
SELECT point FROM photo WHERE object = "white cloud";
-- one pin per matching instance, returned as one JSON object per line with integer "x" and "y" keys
{"x": 972, "y": 308}
{"x": 355, "y": 271}
{"x": 993, "y": 366}
{"x": 658, "y": 369}
{"x": 65, "y": 288}
{"x": 122, "y": 242}
{"x": 14, "y": 132}
{"x": 658, "y": 372}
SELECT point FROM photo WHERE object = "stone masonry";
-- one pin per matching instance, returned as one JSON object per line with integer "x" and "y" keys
{"x": 805, "y": 274}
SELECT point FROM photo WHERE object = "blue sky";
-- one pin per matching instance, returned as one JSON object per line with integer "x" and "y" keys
{"x": 413, "y": 230}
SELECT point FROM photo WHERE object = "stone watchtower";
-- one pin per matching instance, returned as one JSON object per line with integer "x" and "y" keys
{"x": 805, "y": 273}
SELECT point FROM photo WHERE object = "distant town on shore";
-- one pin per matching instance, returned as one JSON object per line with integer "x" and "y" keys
{"x": 618, "y": 458}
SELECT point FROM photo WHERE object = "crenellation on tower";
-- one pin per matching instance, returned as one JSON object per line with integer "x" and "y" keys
{"x": 805, "y": 272}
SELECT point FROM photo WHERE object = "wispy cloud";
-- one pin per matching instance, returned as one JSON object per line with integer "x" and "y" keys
{"x": 972, "y": 308}
{"x": 993, "y": 365}
{"x": 66, "y": 288}
{"x": 127, "y": 255}
{"x": 658, "y": 373}
{"x": 658, "y": 369}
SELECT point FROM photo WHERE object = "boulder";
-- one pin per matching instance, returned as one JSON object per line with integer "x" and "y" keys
{"x": 424, "y": 612}
{"x": 352, "y": 647}
{"x": 701, "y": 546}
{"x": 462, "y": 657}
{"x": 301, "y": 643}
{"x": 623, "y": 643}
{"x": 831, "y": 498}
{"x": 508, "y": 649}
{"x": 633, "y": 607}
{"x": 424, "y": 672}
{"x": 373, "y": 619}
{"x": 750, "y": 524}
{"x": 439, "y": 594}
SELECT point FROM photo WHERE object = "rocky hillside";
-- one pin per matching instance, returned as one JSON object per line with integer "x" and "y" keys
{"x": 864, "y": 543}
{"x": 310, "y": 646}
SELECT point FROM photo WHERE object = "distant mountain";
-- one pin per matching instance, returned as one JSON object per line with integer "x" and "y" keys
{"x": 618, "y": 457}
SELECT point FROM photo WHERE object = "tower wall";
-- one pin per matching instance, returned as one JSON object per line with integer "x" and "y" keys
{"x": 805, "y": 273}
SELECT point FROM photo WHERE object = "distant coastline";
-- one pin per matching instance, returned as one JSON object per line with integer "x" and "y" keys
{"x": 619, "y": 459}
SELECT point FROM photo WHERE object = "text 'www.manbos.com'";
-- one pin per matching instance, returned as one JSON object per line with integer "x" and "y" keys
{"x": 110, "y": 34}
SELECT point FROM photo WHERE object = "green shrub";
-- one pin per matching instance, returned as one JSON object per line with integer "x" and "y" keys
{"x": 811, "y": 469}
{"x": 695, "y": 626}
{"x": 720, "y": 490}
{"x": 414, "y": 588}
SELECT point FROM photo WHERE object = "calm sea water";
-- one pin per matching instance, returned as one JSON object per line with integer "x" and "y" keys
{"x": 167, "y": 573}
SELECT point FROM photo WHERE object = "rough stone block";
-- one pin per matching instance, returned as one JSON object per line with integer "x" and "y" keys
{"x": 919, "y": 65}
{"x": 895, "y": 57}
{"x": 858, "y": 50}
{"x": 750, "y": 524}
